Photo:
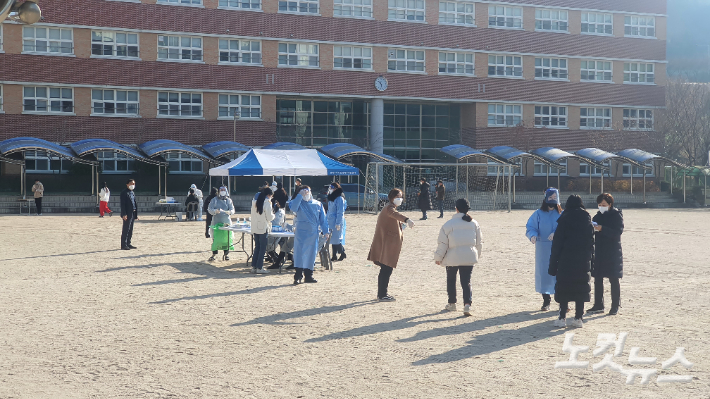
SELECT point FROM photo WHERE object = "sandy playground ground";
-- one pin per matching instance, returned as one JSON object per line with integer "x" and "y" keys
{"x": 81, "y": 319}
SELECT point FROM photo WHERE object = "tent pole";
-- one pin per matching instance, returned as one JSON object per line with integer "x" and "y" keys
{"x": 589, "y": 169}
{"x": 548, "y": 175}
{"x": 684, "y": 187}
{"x": 457, "y": 179}
{"x": 97, "y": 186}
{"x": 644, "y": 185}
{"x": 706, "y": 191}
{"x": 671, "y": 179}
{"x": 468, "y": 191}
{"x": 521, "y": 164}
{"x": 22, "y": 184}
{"x": 159, "y": 181}
{"x": 603, "y": 180}
{"x": 92, "y": 179}
{"x": 359, "y": 204}
{"x": 632, "y": 178}
{"x": 558, "y": 178}
{"x": 377, "y": 189}
{"x": 510, "y": 178}
{"x": 165, "y": 177}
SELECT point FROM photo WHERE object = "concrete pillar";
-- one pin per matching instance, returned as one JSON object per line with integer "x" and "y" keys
{"x": 377, "y": 116}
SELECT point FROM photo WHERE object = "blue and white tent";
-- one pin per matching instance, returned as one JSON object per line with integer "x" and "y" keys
{"x": 307, "y": 162}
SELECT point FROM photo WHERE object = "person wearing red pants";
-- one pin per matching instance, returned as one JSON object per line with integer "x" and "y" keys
{"x": 104, "y": 196}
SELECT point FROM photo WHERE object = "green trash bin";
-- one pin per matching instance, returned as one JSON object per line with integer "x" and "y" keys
{"x": 222, "y": 240}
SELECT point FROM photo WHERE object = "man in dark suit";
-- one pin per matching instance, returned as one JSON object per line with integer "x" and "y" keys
{"x": 129, "y": 214}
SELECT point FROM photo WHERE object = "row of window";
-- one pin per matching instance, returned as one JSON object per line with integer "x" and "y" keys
{"x": 111, "y": 162}
{"x": 542, "y": 169}
{"x": 552, "y": 116}
{"x": 457, "y": 13}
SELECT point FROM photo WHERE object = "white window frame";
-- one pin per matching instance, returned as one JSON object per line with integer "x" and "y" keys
{"x": 165, "y": 51}
{"x": 60, "y": 44}
{"x": 510, "y": 65}
{"x": 239, "y": 52}
{"x": 627, "y": 168}
{"x": 634, "y": 118}
{"x": 595, "y": 71}
{"x": 351, "y": 53}
{"x": 505, "y": 17}
{"x": 302, "y": 56}
{"x": 32, "y": 155}
{"x": 51, "y": 103}
{"x": 551, "y": 116}
{"x": 114, "y": 157}
{"x": 633, "y": 73}
{"x": 301, "y": 7}
{"x": 640, "y": 26}
{"x": 558, "y": 20}
{"x": 180, "y": 106}
{"x": 406, "y": 61}
{"x": 406, "y": 10}
{"x": 599, "y": 116}
{"x": 184, "y": 3}
{"x": 540, "y": 168}
{"x": 510, "y": 115}
{"x": 460, "y": 17}
{"x": 247, "y": 106}
{"x": 460, "y": 62}
{"x": 114, "y": 44}
{"x": 359, "y": 9}
{"x": 552, "y": 66}
{"x": 122, "y": 101}
{"x": 595, "y": 16}
{"x": 596, "y": 171}
{"x": 180, "y": 158}
{"x": 254, "y": 5}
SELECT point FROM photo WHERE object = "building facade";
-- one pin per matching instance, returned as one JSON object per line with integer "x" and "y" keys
{"x": 405, "y": 77}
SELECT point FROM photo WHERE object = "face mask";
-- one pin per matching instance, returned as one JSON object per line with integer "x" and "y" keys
{"x": 307, "y": 196}
{"x": 398, "y": 201}
{"x": 222, "y": 193}
{"x": 603, "y": 209}
{"x": 132, "y": 187}
{"x": 330, "y": 191}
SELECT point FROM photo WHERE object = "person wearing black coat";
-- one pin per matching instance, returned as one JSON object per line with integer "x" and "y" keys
{"x": 190, "y": 198}
{"x": 206, "y": 204}
{"x": 608, "y": 258}
{"x": 129, "y": 214}
{"x": 424, "y": 200}
{"x": 280, "y": 195}
{"x": 571, "y": 259}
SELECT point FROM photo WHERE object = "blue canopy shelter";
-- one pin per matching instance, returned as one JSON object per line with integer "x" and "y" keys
{"x": 600, "y": 157}
{"x": 345, "y": 150}
{"x": 642, "y": 157}
{"x": 161, "y": 148}
{"x": 510, "y": 154}
{"x": 554, "y": 156}
{"x": 283, "y": 145}
{"x": 224, "y": 149}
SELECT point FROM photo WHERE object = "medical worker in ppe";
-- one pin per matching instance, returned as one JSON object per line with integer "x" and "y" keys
{"x": 198, "y": 194}
{"x": 336, "y": 220}
{"x": 221, "y": 207}
{"x": 540, "y": 230}
{"x": 309, "y": 223}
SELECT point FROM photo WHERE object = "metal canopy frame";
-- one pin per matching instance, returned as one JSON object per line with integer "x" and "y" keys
{"x": 346, "y": 150}
{"x": 598, "y": 156}
{"x": 554, "y": 155}
{"x": 641, "y": 156}
{"x": 283, "y": 145}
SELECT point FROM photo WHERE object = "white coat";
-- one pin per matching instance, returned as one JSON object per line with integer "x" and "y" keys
{"x": 104, "y": 194}
{"x": 261, "y": 223}
{"x": 460, "y": 242}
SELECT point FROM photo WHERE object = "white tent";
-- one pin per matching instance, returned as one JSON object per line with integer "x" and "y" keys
{"x": 306, "y": 162}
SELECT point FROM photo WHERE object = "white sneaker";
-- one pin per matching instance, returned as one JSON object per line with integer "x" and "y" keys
{"x": 199, "y": 220}
{"x": 450, "y": 307}
{"x": 467, "y": 310}
{"x": 559, "y": 323}
{"x": 576, "y": 323}
{"x": 261, "y": 271}
{"x": 253, "y": 270}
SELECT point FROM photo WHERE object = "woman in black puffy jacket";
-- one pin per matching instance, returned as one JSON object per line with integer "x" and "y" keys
{"x": 608, "y": 258}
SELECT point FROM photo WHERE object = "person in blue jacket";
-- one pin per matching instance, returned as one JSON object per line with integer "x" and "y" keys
{"x": 540, "y": 230}
{"x": 336, "y": 220}
{"x": 309, "y": 223}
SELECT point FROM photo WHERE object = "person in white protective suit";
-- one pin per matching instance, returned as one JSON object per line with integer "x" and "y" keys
{"x": 310, "y": 223}
{"x": 198, "y": 194}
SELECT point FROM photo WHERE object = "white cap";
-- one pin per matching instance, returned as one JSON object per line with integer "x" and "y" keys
{"x": 273, "y": 183}
{"x": 193, "y": 186}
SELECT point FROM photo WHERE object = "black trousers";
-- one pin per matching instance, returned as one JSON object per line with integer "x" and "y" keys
{"x": 383, "y": 280}
{"x": 599, "y": 291}
{"x": 578, "y": 309}
{"x": 127, "y": 232}
{"x": 465, "y": 276}
{"x": 441, "y": 206}
{"x": 207, "y": 225}
{"x": 38, "y": 205}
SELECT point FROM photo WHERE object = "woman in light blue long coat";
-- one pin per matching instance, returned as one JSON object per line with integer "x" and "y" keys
{"x": 310, "y": 222}
{"x": 336, "y": 220}
{"x": 540, "y": 230}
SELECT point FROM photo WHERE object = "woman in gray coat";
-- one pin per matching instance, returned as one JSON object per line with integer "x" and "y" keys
{"x": 221, "y": 207}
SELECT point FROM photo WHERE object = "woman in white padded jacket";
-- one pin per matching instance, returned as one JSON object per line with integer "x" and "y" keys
{"x": 460, "y": 244}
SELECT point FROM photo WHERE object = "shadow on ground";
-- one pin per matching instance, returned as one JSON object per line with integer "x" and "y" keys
{"x": 282, "y": 318}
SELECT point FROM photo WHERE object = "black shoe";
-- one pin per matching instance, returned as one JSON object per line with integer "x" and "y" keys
{"x": 310, "y": 280}
{"x": 225, "y": 257}
{"x": 207, "y": 236}
{"x": 422, "y": 219}
{"x": 596, "y": 309}
{"x": 132, "y": 247}
{"x": 211, "y": 259}
{"x": 110, "y": 213}
{"x": 274, "y": 266}
{"x": 334, "y": 258}
{"x": 291, "y": 267}
{"x": 545, "y": 307}
{"x": 614, "y": 311}
{"x": 125, "y": 248}
{"x": 386, "y": 298}
{"x": 101, "y": 216}
{"x": 342, "y": 256}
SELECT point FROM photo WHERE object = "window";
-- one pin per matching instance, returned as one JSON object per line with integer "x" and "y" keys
{"x": 320, "y": 122}
{"x": 505, "y": 115}
{"x": 353, "y": 8}
{"x": 637, "y": 171}
{"x": 456, "y": 13}
{"x": 635, "y": 72}
{"x": 243, "y": 4}
{"x": 541, "y": 168}
{"x": 551, "y": 20}
{"x": 352, "y": 57}
{"x": 115, "y": 162}
{"x": 595, "y": 118}
{"x": 179, "y": 104}
{"x": 42, "y": 162}
{"x": 505, "y": 65}
{"x": 550, "y": 116}
{"x": 551, "y": 68}
{"x": 639, "y": 26}
{"x": 48, "y": 99}
{"x": 405, "y": 60}
{"x": 299, "y": 6}
{"x": 47, "y": 40}
{"x": 456, "y": 63}
{"x": 415, "y": 132}
{"x": 114, "y": 44}
{"x": 240, "y": 51}
{"x": 300, "y": 55}
{"x": 406, "y": 10}
{"x": 597, "y": 71}
{"x": 596, "y": 170}
{"x": 114, "y": 102}
{"x": 182, "y": 2}
{"x": 183, "y": 163}
{"x": 638, "y": 119}
{"x": 244, "y": 105}
{"x": 179, "y": 48}
{"x": 599, "y": 24}
{"x": 505, "y": 17}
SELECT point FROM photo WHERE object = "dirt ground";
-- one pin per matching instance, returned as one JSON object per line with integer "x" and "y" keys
{"x": 80, "y": 318}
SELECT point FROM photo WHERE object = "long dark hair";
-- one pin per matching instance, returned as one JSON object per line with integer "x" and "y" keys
{"x": 260, "y": 200}
{"x": 463, "y": 206}
{"x": 337, "y": 191}
{"x": 275, "y": 205}
{"x": 574, "y": 201}
{"x": 547, "y": 207}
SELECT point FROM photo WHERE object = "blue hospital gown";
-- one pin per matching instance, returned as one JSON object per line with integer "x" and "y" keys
{"x": 310, "y": 221}
{"x": 541, "y": 224}
{"x": 336, "y": 216}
